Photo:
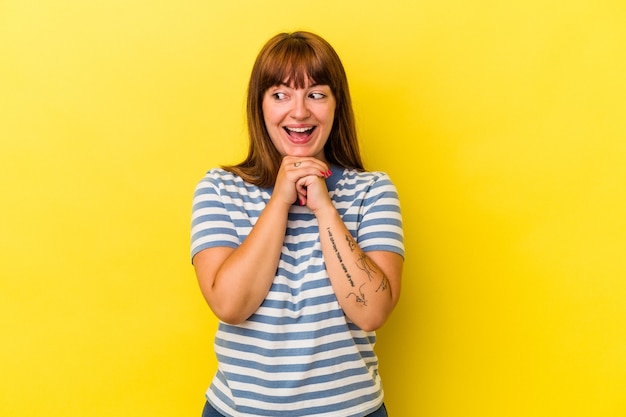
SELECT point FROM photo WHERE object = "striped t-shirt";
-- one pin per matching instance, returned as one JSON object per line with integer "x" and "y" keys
{"x": 298, "y": 354}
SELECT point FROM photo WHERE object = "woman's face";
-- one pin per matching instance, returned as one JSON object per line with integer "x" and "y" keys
{"x": 299, "y": 120}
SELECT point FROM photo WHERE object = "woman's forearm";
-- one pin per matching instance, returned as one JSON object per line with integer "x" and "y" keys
{"x": 236, "y": 282}
{"x": 367, "y": 287}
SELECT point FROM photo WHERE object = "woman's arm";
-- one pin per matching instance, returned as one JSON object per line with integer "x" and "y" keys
{"x": 367, "y": 286}
{"x": 235, "y": 282}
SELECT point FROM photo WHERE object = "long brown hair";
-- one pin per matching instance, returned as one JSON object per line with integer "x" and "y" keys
{"x": 294, "y": 58}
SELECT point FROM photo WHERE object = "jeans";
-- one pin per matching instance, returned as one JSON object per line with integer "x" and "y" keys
{"x": 211, "y": 412}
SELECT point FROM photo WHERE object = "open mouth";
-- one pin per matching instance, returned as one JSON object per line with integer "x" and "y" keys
{"x": 299, "y": 132}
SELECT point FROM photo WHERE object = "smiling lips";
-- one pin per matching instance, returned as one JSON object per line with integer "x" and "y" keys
{"x": 299, "y": 134}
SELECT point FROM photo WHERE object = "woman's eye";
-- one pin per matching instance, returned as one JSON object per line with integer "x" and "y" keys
{"x": 317, "y": 96}
{"x": 279, "y": 96}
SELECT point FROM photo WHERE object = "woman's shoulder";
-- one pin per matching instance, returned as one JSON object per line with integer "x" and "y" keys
{"x": 363, "y": 175}
{"x": 220, "y": 180}
{"x": 350, "y": 181}
{"x": 220, "y": 175}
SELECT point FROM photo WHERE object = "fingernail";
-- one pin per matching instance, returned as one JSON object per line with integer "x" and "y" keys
{"x": 329, "y": 173}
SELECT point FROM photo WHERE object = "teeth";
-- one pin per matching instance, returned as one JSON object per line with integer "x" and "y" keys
{"x": 299, "y": 129}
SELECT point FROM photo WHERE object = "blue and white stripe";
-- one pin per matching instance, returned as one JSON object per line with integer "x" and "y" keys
{"x": 297, "y": 355}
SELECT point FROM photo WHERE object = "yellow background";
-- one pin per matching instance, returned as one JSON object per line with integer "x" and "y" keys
{"x": 501, "y": 122}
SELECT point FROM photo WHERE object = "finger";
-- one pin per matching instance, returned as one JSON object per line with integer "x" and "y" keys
{"x": 310, "y": 165}
{"x": 301, "y": 185}
{"x": 301, "y": 200}
{"x": 301, "y": 191}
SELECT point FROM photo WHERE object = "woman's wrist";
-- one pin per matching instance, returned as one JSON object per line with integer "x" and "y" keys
{"x": 326, "y": 214}
{"x": 277, "y": 203}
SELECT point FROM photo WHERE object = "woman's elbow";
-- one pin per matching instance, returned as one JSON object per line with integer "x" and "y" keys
{"x": 375, "y": 319}
{"x": 372, "y": 322}
{"x": 228, "y": 313}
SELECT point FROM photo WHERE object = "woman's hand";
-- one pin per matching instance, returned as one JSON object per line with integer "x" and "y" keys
{"x": 313, "y": 193}
{"x": 303, "y": 180}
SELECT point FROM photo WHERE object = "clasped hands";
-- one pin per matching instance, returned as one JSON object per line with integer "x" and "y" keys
{"x": 303, "y": 180}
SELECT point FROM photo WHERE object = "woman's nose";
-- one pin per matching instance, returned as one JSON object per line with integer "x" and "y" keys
{"x": 300, "y": 109}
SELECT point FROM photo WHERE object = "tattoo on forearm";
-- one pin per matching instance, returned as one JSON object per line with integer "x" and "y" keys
{"x": 351, "y": 242}
{"x": 384, "y": 284}
{"x": 365, "y": 264}
{"x": 360, "y": 298}
{"x": 339, "y": 258}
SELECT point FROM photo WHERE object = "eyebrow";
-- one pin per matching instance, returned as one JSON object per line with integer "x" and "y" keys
{"x": 314, "y": 85}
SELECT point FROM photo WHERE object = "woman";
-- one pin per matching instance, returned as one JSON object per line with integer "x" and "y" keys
{"x": 298, "y": 251}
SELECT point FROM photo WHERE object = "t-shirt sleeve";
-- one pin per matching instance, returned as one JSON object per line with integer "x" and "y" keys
{"x": 211, "y": 224}
{"x": 381, "y": 225}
